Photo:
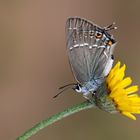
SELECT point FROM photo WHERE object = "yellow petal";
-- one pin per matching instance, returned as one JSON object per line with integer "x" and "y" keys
{"x": 124, "y": 83}
{"x": 129, "y": 115}
{"x": 116, "y": 67}
{"x": 121, "y": 73}
{"x": 117, "y": 93}
{"x": 127, "y": 108}
{"x": 133, "y": 95}
{"x": 131, "y": 89}
{"x": 117, "y": 77}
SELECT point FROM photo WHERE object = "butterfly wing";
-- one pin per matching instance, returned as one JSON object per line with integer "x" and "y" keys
{"x": 87, "y": 55}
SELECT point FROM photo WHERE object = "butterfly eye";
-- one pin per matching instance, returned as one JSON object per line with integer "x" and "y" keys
{"x": 108, "y": 42}
{"x": 98, "y": 35}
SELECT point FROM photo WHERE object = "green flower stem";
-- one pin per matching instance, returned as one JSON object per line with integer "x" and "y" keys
{"x": 54, "y": 118}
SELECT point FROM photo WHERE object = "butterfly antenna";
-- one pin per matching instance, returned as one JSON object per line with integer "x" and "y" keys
{"x": 67, "y": 85}
{"x": 110, "y": 27}
{"x": 61, "y": 92}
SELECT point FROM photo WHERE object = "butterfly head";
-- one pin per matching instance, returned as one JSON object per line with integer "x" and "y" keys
{"x": 77, "y": 87}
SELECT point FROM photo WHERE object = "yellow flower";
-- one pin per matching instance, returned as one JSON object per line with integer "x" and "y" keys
{"x": 126, "y": 101}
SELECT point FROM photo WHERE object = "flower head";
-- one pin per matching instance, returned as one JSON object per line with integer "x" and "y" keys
{"x": 126, "y": 101}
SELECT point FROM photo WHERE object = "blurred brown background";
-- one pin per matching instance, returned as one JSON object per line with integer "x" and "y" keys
{"x": 34, "y": 63}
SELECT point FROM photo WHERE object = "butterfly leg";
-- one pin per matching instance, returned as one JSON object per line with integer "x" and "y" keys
{"x": 105, "y": 54}
{"x": 91, "y": 98}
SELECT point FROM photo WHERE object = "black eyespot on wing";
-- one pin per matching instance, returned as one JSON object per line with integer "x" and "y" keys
{"x": 98, "y": 35}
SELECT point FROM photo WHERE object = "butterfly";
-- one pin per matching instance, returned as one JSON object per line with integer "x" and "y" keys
{"x": 90, "y": 51}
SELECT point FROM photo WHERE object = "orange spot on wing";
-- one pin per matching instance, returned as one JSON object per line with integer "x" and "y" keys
{"x": 109, "y": 42}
